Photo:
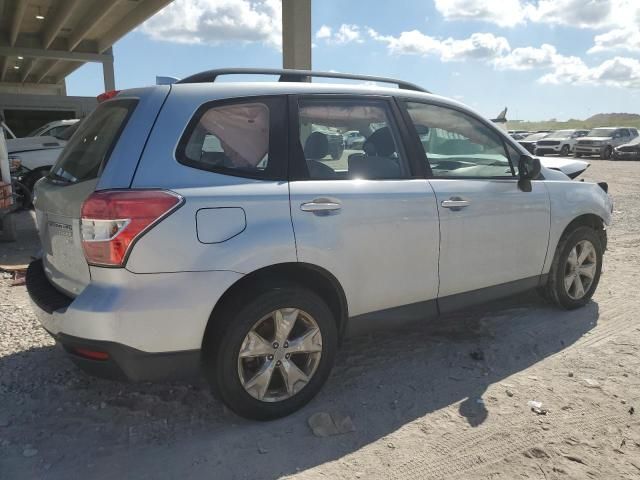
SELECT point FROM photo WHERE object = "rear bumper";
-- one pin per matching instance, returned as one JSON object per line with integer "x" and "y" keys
{"x": 150, "y": 326}
{"x": 126, "y": 363}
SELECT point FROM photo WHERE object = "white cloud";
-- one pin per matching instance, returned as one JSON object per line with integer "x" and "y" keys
{"x": 344, "y": 34}
{"x": 478, "y": 46}
{"x": 616, "y": 72}
{"x": 617, "y": 39}
{"x": 506, "y": 13}
{"x": 496, "y": 51}
{"x": 323, "y": 32}
{"x": 217, "y": 21}
{"x": 509, "y": 13}
{"x": 527, "y": 58}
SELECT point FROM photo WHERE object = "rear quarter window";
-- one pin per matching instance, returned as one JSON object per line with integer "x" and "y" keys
{"x": 243, "y": 137}
{"x": 89, "y": 148}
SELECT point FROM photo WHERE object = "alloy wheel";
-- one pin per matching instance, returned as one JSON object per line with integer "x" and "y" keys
{"x": 580, "y": 269}
{"x": 280, "y": 355}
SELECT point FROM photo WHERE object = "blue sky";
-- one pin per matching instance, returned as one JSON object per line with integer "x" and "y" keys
{"x": 541, "y": 58}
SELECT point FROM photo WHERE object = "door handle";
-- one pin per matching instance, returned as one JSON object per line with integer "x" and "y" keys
{"x": 455, "y": 203}
{"x": 321, "y": 205}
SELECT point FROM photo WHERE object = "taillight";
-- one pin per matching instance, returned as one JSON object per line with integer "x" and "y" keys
{"x": 103, "y": 97}
{"x": 112, "y": 220}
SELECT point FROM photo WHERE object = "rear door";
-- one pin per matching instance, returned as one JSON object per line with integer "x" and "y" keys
{"x": 368, "y": 217}
{"x": 491, "y": 232}
{"x": 112, "y": 137}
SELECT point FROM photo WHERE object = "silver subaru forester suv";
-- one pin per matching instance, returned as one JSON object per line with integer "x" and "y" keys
{"x": 206, "y": 226}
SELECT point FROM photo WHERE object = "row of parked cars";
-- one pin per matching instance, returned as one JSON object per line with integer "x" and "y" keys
{"x": 618, "y": 143}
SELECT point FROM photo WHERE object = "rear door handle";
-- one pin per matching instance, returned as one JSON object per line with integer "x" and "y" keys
{"x": 455, "y": 203}
{"x": 321, "y": 205}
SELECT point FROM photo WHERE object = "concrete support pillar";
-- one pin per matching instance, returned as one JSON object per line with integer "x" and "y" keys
{"x": 296, "y": 34}
{"x": 108, "y": 73}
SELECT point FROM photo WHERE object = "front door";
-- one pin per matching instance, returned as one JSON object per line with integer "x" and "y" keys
{"x": 367, "y": 216}
{"x": 491, "y": 232}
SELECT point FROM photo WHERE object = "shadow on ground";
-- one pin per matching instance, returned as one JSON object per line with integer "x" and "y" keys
{"x": 19, "y": 252}
{"x": 81, "y": 425}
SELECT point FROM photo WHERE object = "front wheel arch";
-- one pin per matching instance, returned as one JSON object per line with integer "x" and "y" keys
{"x": 587, "y": 220}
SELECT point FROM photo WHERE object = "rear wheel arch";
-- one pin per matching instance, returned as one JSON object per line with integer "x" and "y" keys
{"x": 305, "y": 275}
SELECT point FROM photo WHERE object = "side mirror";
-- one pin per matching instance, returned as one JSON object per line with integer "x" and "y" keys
{"x": 528, "y": 169}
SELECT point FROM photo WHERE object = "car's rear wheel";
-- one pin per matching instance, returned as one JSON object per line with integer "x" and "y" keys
{"x": 564, "y": 151}
{"x": 274, "y": 354}
{"x": 606, "y": 153}
{"x": 576, "y": 269}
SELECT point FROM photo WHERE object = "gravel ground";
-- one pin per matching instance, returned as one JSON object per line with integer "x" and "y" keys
{"x": 447, "y": 400}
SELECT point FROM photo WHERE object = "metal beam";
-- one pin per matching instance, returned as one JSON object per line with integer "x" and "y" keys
{"x": 296, "y": 34}
{"x": 55, "y": 54}
{"x": 18, "y": 15}
{"x": 108, "y": 75}
{"x": 142, "y": 12}
{"x": 53, "y": 27}
{"x": 3, "y": 67}
{"x": 45, "y": 71}
{"x": 26, "y": 68}
{"x": 88, "y": 23}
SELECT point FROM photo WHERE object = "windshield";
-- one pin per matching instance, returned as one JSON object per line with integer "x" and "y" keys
{"x": 68, "y": 132}
{"x": 37, "y": 131}
{"x": 562, "y": 133}
{"x": 88, "y": 150}
{"x": 536, "y": 136}
{"x": 601, "y": 132}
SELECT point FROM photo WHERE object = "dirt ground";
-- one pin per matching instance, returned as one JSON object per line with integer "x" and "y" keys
{"x": 445, "y": 400}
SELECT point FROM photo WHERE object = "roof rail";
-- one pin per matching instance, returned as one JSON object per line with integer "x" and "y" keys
{"x": 289, "y": 75}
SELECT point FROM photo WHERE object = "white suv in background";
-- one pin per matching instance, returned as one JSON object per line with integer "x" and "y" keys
{"x": 205, "y": 226}
{"x": 560, "y": 142}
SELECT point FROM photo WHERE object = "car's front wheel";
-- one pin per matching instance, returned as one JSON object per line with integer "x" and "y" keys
{"x": 274, "y": 354}
{"x": 606, "y": 153}
{"x": 564, "y": 151}
{"x": 576, "y": 268}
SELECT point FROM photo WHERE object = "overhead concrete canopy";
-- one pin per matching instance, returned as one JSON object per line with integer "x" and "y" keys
{"x": 43, "y": 41}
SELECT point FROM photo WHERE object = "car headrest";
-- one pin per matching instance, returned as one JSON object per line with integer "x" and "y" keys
{"x": 316, "y": 146}
{"x": 380, "y": 143}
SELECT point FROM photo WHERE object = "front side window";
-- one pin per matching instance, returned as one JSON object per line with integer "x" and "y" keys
{"x": 349, "y": 139}
{"x": 458, "y": 145}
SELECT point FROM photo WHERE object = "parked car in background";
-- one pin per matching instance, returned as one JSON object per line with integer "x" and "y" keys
{"x": 602, "y": 141}
{"x": 252, "y": 263}
{"x": 353, "y": 139}
{"x": 628, "y": 151}
{"x": 38, "y": 154}
{"x": 53, "y": 129}
{"x": 561, "y": 142}
{"x": 530, "y": 142}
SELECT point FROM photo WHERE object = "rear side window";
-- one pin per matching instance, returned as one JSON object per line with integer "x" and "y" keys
{"x": 242, "y": 138}
{"x": 89, "y": 149}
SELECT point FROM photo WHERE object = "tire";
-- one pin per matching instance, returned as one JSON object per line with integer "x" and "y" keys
{"x": 556, "y": 290}
{"x": 24, "y": 196}
{"x": 227, "y": 371}
{"x": 564, "y": 151}
{"x": 606, "y": 153}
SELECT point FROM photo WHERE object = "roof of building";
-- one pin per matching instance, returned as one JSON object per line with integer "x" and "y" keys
{"x": 43, "y": 41}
